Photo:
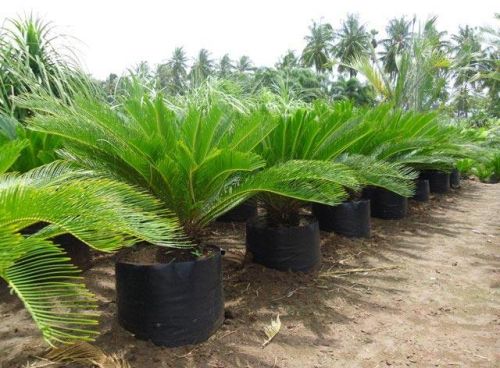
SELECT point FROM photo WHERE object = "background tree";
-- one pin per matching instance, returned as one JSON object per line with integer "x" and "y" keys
{"x": 244, "y": 64}
{"x": 467, "y": 54}
{"x": 225, "y": 67}
{"x": 319, "y": 43}
{"x": 202, "y": 68}
{"x": 398, "y": 39}
{"x": 353, "y": 41}
{"x": 178, "y": 71}
{"x": 353, "y": 90}
{"x": 289, "y": 60}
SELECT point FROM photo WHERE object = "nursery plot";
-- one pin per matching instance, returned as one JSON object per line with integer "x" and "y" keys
{"x": 422, "y": 291}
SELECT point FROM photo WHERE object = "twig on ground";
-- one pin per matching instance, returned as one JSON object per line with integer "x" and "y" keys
{"x": 357, "y": 270}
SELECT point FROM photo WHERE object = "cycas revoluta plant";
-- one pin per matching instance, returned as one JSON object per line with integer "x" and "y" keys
{"x": 103, "y": 213}
{"x": 198, "y": 163}
{"x": 417, "y": 140}
{"x": 327, "y": 133}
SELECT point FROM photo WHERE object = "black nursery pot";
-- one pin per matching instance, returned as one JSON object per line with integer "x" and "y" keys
{"x": 172, "y": 304}
{"x": 439, "y": 181}
{"x": 422, "y": 190}
{"x": 386, "y": 204}
{"x": 78, "y": 251}
{"x": 285, "y": 248}
{"x": 350, "y": 218}
{"x": 240, "y": 213}
{"x": 455, "y": 179}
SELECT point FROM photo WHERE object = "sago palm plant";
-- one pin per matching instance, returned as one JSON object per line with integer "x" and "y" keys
{"x": 102, "y": 213}
{"x": 417, "y": 140}
{"x": 200, "y": 164}
{"x": 327, "y": 132}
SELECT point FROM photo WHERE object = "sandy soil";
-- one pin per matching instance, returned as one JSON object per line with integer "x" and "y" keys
{"x": 439, "y": 308}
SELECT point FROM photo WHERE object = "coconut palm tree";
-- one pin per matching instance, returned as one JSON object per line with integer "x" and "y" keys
{"x": 225, "y": 67}
{"x": 420, "y": 81}
{"x": 317, "y": 50}
{"x": 399, "y": 35}
{"x": 244, "y": 64}
{"x": 178, "y": 70}
{"x": 289, "y": 60}
{"x": 353, "y": 41}
{"x": 467, "y": 55}
{"x": 202, "y": 67}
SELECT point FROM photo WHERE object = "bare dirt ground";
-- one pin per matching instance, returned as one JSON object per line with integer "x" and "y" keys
{"x": 439, "y": 308}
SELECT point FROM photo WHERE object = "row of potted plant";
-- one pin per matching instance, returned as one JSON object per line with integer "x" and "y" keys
{"x": 196, "y": 164}
{"x": 202, "y": 162}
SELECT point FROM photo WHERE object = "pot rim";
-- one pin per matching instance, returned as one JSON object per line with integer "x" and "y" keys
{"x": 217, "y": 252}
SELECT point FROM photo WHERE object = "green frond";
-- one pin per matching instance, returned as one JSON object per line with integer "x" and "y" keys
{"x": 371, "y": 171}
{"x": 9, "y": 153}
{"x": 308, "y": 181}
{"x": 51, "y": 289}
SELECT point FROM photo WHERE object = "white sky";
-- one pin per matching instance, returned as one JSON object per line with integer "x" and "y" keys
{"x": 117, "y": 34}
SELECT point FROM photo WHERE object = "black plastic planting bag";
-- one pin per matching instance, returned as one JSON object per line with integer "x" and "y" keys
{"x": 439, "y": 181}
{"x": 386, "y": 204}
{"x": 455, "y": 179}
{"x": 294, "y": 248}
{"x": 172, "y": 304}
{"x": 240, "y": 213}
{"x": 350, "y": 218}
{"x": 422, "y": 190}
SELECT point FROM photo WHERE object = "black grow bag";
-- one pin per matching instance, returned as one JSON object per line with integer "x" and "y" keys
{"x": 240, "y": 213}
{"x": 350, "y": 218}
{"x": 386, "y": 204}
{"x": 78, "y": 251}
{"x": 439, "y": 181}
{"x": 455, "y": 179}
{"x": 285, "y": 248}
{"x": 172, "y": 304}
{"x": 422, "y": 190}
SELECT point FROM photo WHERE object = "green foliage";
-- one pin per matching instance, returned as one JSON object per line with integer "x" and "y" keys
{"x": 418, "y": 140}
{"x": 30, "y": 60}
{"x": 353, "y": 42}
{"x": 102, "y": 213}
{"x": 318, "y": 47}
{"x": 199, "y": 163}
{"x": 37, "y": 148}
{"x": 465, "y": 166}
{"x": 327, "y": 133}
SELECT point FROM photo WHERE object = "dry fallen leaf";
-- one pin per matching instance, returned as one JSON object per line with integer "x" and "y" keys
{"x": 86, "y": 353}
{"x": 272, "y": 330}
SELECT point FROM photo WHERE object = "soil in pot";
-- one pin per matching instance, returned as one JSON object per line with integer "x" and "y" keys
{"x": 350, "y": 218}
{"x": 439, "y": 181}
{"x": 294, "y": 247}
{"x": 171, "y": 297}
{"x": 78, "y": 251}
{"x": 455, "y": 179}
{"x": 240, "y": 213}
{"x": 422, "y": 190}
{"x": 387, "y": 205}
